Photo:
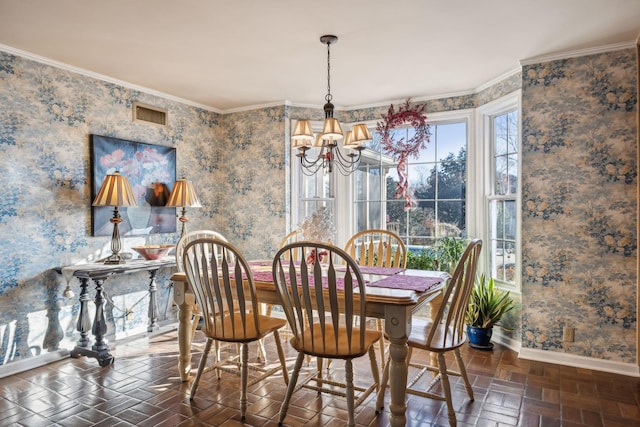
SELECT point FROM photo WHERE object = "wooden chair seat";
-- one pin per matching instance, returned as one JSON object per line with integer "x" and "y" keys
{"x": 444, "y": 338}
{"x": 327, "y": 345}
{"x": 227, "y": 330}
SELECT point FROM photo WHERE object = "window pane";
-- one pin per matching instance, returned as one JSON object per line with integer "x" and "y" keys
{"x": 361, "y": 216}
{"x": 374, "y": 184}
{"x": 512, "y": 132}
{"x": 451, "y": 180}
{"x": 396, "y": 217}
{"x": 422, "y": 219}
{"x": 512, "y": 168}
{"x": 500, "y": 135}
{"x": 451, "y": 140}
{"x": 422, "y": 181}
{"x": 510, "y": 220}
{"x": 501, "y": 174}
{"x": 451, "y": 219}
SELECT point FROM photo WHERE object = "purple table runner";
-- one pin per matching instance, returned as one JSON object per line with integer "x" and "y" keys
{"x": 414, "y": 283}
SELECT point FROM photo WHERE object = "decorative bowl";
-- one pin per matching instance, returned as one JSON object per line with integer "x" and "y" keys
{"x": 153, "y": 251}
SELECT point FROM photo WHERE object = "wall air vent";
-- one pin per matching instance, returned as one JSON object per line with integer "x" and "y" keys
{"x": 149, "y": 114}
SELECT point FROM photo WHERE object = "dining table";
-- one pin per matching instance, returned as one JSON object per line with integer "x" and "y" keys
{"x": 392, "y": 294}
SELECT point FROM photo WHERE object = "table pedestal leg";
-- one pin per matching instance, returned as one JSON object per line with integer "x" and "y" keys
{"x": 153, "y": 303}
{"x": 84, "y": 321}
{"x": 185, "y": 303}
{"x": 398, "y": 326}
{"x": 100, "y": 348}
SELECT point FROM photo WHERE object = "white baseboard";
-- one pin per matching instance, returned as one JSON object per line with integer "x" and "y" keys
{"x": 576, "y": 361}
{"x": 18, "y": 366}
{"x": 510, "y": 343}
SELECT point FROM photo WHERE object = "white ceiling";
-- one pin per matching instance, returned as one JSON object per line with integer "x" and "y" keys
{"x": 231, "y": 54}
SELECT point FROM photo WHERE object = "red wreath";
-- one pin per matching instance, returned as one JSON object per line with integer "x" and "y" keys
{"x": 401, "y": 149}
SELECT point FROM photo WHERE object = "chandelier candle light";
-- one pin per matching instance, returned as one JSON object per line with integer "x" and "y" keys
{"x": 115, "y": 191}
{"x": 183, "y": 196}
{"x": 327, "y": 141}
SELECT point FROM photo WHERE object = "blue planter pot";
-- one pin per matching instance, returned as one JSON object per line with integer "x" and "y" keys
{"x": 480, "y": 338}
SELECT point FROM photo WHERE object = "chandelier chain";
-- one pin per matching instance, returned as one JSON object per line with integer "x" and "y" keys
{"x": 328, "y": 98}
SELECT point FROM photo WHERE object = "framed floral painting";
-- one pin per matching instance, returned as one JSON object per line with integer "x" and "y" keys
{"x": 151, "y": 171}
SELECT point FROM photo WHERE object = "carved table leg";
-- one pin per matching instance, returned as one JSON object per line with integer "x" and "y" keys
{"x": 185, "y": 303}
{"x": 153, "y": 303}
{"x": 100, "y": 348}
{"x": 84, "y": 321}
{"x": 99, "y": 329}
{"x": 398, "y": 326}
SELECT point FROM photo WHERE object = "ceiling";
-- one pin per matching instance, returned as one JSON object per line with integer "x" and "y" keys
{"x": 229, "y": 55}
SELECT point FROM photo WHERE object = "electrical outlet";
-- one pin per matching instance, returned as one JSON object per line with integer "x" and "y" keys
{"x": 568, "y": 334}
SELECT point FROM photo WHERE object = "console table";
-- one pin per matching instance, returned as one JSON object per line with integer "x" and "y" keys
{"x": 99, "y": 272}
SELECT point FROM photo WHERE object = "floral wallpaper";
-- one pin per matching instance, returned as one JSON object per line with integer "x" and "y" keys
{"x": 47, "y": 115}
{"x": 579, "y": 185}
{"x": 251, "y": 197}
{"x": 579, "y": 246}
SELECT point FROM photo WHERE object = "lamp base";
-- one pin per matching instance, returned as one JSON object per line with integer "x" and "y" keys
{"x": 114, "y": 260}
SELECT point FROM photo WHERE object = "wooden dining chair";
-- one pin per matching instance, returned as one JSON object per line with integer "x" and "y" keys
{"x": 378, "y": 248}
{"x": 445, "y": 333}
{"x": 226, "y": 295}
{"x": 322, "y": 296}
{"x": 189, "y": 237}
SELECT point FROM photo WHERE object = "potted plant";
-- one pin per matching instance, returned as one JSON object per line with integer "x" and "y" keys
{"x": 486, "y": 307}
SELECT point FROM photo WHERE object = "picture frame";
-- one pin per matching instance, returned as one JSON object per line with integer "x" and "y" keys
{"x": 151, "y": 171}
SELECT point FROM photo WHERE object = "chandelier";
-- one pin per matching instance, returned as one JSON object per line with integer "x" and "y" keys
{"x": 330, "y": 156}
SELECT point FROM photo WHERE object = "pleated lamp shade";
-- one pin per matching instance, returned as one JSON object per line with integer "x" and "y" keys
{"x": 302, "y": 133}
{"x": 332, "y": 129}
{"x": 359, "y": 135}
{"x": 183, "y": 195}
{"x": 115, "y": 191}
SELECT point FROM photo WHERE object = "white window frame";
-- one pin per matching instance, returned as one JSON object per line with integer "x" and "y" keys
{"x": 484, "y": 174}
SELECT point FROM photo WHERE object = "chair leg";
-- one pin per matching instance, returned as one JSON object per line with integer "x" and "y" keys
{"x": 244, "y": 375}
{"x": 292, "y": 385}
{"x": 218, "y": 355}
{"x": 194, "y": 325}
{"x": 349, "y": 391}
{"x": 374, "y": 368}
{"x": 281, "y": 356}
{"x": 262, "y": 353}
{"x": 446, "y": 388}
{"x": 382, "y": 388}
{"x": 201, "y": 366}
{"x": 381, "y": 343}
{"x": 463, "y": 373}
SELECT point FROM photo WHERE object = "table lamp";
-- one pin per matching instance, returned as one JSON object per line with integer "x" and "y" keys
{"x": 183, "y": 196}
{"x": 115, "y": 191}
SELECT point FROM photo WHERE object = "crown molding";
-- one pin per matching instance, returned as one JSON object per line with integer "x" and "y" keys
{"x": 579, "y": 52}
{"x": 98, "y": 76}
{"x": 498, "y": 79}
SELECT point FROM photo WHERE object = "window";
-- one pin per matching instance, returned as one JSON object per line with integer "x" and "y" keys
{"x": 465, "y": 184}
{"x": 500, "y": 123}
{"x": 503, "y": 198}
{"x": 437, "y": 181}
